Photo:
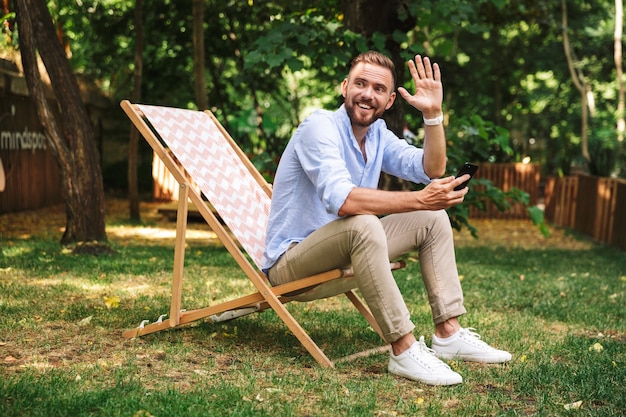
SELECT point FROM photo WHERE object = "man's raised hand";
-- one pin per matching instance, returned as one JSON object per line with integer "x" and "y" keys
{"x": 428, "y": 95}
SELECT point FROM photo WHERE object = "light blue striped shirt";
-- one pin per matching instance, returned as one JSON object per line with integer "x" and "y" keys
{"x": 319, "y": 168}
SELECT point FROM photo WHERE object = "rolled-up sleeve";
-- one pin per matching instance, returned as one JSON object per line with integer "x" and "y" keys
{"x": 403, "y": 160}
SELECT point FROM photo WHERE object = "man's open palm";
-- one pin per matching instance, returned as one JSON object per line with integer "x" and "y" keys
{"x": 428, "y": 87}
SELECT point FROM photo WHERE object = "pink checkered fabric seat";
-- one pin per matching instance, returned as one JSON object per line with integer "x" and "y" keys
{"x": 204, "y": 152}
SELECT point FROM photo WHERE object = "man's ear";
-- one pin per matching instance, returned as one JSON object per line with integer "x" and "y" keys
{"x": 344, "y": 87}
{"x": 392, "y": 99}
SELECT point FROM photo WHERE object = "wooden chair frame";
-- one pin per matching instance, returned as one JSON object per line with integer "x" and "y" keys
{"x": 266, "y": 296}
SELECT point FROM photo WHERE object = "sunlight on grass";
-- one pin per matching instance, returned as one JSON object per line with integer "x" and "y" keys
{"x": 221, "y": 287}
{"x": 159, "y": 235}
{"x": 11, "y": 251}
{"x": 73, "y": 282}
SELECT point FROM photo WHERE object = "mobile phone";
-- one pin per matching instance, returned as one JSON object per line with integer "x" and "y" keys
{"x": 467, "y": 168}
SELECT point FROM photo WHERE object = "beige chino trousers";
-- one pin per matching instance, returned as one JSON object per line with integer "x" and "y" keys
{"x": 368, "y": 243}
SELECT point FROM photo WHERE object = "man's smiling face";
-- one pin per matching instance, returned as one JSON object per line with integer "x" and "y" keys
{"x": 368, "y": 92}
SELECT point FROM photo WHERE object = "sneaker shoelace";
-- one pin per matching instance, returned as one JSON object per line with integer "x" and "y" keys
{"x": 428, "y": 357}
{"x": 469, "y": 335}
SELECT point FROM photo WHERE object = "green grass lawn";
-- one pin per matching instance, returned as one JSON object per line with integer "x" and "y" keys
{"x": 556, "y": 304}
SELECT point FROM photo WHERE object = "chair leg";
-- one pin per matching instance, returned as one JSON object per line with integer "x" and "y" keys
{"x": 179, "y": 254}
{"x": 293, "y": 325}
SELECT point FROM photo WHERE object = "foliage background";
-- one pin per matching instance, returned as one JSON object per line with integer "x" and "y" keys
{"x": 509, "y": 96}
{"x": 269, "y": 63}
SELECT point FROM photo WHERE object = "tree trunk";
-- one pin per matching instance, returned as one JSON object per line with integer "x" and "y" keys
{"x": 580, "y": 83}
{"x": 72, "y": 139}
{"x": 133, "y": 141}
{"x": 202, "y": 99}
{"x": 617, "y": 56}
{"x": 367, "y": 17}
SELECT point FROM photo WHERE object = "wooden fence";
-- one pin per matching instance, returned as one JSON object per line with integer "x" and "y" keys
{"x": 165, "y": 185}
{"x": 32, "y": 181}
{"x": 30, "y": 169}
{"x": 594, "y": 206}
{"x": 506, "y": 176}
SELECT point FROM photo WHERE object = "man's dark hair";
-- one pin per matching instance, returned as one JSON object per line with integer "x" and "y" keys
{"x": 376, "y": 58}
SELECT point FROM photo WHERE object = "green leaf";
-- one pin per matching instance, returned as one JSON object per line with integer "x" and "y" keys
{"x": 399, "y": 36}
{"x": 536, "y": 215}
{"x": 379, "y": 39}
{"x": 499, "y": 3}
{"x": 274, "y": 60}
{"x": 286, "y": 53}
{"x": 294, "y": 64}
{"x": 333, "y": 26}
{"x": 253, "y": 58}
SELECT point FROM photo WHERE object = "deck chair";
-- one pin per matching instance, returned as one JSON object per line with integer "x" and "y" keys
{"x": 209, "y": 166}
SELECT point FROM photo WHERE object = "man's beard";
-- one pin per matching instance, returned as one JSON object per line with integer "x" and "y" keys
{"x": 350, "y": 109}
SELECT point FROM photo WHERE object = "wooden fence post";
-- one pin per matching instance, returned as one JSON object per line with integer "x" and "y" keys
{"x": 619, "y": 216}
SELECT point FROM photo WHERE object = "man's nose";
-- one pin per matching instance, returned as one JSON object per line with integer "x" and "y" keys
{"x": 368, "y": 92}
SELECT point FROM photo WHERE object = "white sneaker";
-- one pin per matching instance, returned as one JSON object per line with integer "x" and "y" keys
{"x": 466, "y": 344}
{"x": 420, "y": 364}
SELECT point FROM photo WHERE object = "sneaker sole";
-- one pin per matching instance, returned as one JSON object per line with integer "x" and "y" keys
{"x": 429, "y": 381}
{"x": 470, "y": 358}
